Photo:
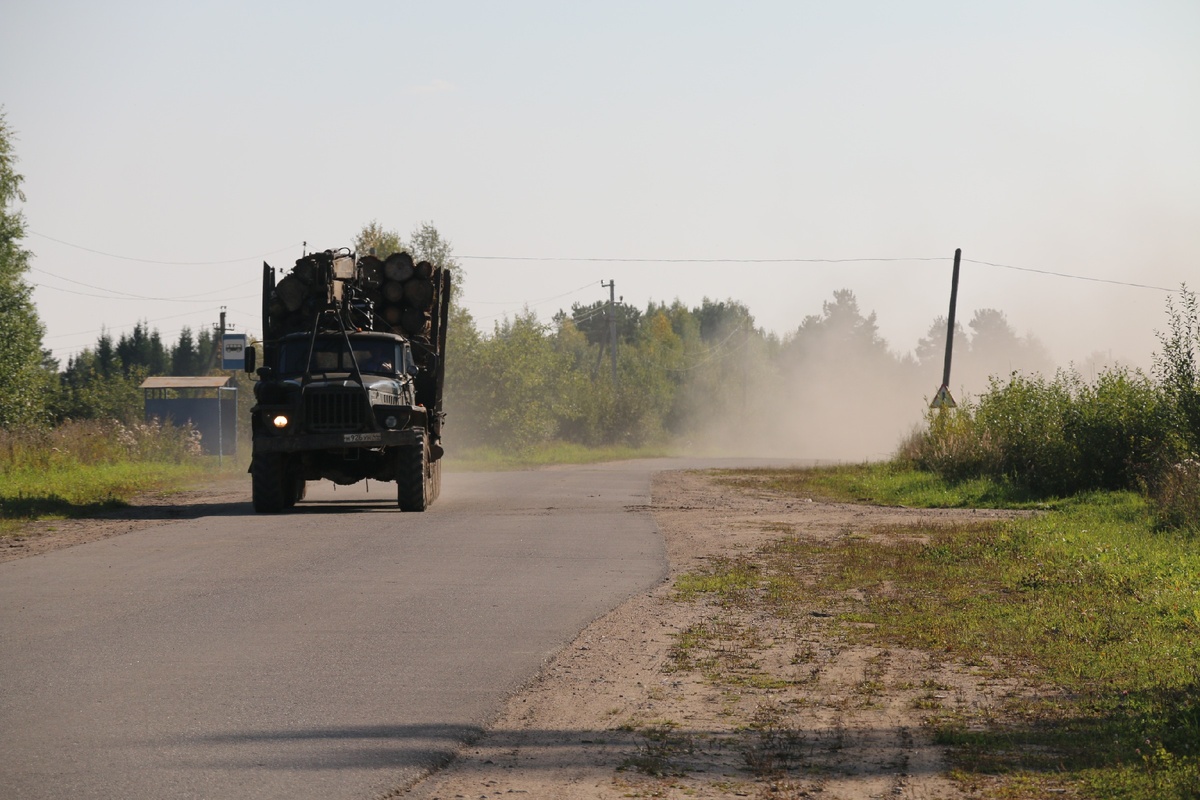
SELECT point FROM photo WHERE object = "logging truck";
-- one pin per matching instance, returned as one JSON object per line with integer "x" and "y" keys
{"x": 350, "y": 387}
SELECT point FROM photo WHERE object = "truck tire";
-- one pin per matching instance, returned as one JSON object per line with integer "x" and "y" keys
{"x": 299, "y": 488}
{"x": 271, "y": 489}
{"x": 435, "y": 480}
{"x": 412, "y": 477}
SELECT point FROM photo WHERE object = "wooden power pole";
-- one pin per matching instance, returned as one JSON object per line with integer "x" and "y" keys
{"x": 944, "y": 398}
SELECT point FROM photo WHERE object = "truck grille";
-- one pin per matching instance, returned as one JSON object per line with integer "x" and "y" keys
{"x": 334, "y": 412}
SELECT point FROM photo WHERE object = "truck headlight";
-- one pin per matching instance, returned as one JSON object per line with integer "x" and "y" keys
{"x": 391, "y": 422}
{"x": 279, "y": 421}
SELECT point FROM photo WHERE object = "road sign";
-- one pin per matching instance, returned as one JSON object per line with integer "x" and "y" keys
{"x": 233, "y": 351}
{"x": 943, "y": 399}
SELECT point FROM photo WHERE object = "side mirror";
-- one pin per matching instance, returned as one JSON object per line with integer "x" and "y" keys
{"x": 251, "y": 356}
{"x": 412, "y": 370}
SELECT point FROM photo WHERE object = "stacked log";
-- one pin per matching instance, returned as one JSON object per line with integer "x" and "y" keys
{"x": 401, "y": 293}
{"x": 407, "y": 295}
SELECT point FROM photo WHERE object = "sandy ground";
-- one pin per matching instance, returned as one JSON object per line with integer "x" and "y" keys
{"x": 616, "y": 715}
{"x": 613, "y": 715}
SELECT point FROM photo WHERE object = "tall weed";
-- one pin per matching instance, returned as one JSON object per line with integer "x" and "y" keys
{"x": 77, "y": 443}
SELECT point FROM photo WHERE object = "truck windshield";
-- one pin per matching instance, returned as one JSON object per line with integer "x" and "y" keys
{"x": 376, "y": 356}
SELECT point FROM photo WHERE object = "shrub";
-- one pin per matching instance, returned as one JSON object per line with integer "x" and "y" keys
{"x": 1177, "y": 367}
{"x": 1123, "y": 429}
{"x": 1025, "y": 419}
{"x": 1056, "y": 437}
{"x": 1175, "y": 497}
{"x": 952, "y": 446}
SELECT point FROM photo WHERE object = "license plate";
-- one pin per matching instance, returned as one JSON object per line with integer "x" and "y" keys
{"x": 355, "y": 438}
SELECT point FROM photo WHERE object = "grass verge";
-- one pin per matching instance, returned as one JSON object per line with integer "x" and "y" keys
{"x": 1087, "y": 601}
{"x": 884, "y": 483}
{"x": 71, "y": 490}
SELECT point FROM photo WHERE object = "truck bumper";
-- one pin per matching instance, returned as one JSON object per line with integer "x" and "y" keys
{"x": 337, "y": 441}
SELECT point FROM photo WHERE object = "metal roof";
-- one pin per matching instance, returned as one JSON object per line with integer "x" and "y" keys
{"x": 171, "y": 382}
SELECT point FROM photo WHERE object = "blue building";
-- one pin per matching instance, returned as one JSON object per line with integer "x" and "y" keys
{"x": 209, "y": 403}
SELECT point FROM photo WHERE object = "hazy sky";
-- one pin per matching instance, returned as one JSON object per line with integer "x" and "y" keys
{"x": 1056, "y": 136}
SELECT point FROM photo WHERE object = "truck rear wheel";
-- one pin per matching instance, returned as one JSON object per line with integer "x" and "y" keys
{"x": 435, "y": 480}
{"x": 412, "y": 477}
{"x": 271, "y": 484}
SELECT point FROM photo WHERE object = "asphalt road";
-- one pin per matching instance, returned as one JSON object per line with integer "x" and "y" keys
{"x": 335, "y": 652}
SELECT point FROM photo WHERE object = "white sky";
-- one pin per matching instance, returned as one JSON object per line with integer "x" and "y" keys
{"x": 1060, "y": 136}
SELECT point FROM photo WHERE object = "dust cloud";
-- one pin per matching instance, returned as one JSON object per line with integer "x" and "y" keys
{"x": 836, "y": 391}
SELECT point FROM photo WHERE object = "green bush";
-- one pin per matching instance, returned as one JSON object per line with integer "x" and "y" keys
{"x": 1056, "y": 437}
{"x": 1025, "y": 418}
{"x": 1122, "y": 428}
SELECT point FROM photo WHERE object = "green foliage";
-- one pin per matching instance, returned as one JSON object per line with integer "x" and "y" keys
{"x": 1176, "y": 366}
{"x": 375, "y": 239}
{"x": 425, "y": 243}
{"x": 80, "y": 468}
{"x": 1125, "y": 430}
{"x": 103, "y": 382}
{"x": 1081, "y": 598}
{"x": 25, "y": 384}
{"x": 507, "y": 385}
{"x": 888, "y": 483}
{"x": 1175, "y": 496}
{"x": 1055, "y": 437}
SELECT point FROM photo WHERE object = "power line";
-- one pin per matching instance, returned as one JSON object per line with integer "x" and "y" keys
{"x": 700, "y": 260}
{"x": 809, "y": 261}
{"x": 127, "y": 295}
{"x": 109, "y": 296}
{"x": 587, "y": 285}
{"x": 1065, "y": 275}
{"x": 167, "y": 263}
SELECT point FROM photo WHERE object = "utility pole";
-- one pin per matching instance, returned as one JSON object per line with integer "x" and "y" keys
{"x": 944, "y": 399}
{"x": 612, "y": 325}
{"x": 219, "y": 330}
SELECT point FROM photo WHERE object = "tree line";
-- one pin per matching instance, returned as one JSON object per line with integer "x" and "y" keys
{"x": 709, "y": 375}
{"x": 704, "y": 374}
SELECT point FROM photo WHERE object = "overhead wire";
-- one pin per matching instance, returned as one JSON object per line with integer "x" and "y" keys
{"x": 605, "y": 260}
{"x": 620, "y": 260}
{"x": 159, "y": 261}
{"x": 114, "y": 294}
{"x": 1067, "y": 275}
{"x": 700, "y": 260}
{"x": 132, "y": 297}
{"x": 587, "y": 285}
{"x": 120, "y": 295}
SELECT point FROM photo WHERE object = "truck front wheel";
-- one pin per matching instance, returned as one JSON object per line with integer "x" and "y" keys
{"x": 272, "y": 487}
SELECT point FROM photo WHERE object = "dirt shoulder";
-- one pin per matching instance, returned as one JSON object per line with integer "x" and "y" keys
{"x": 795, "y": 710}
